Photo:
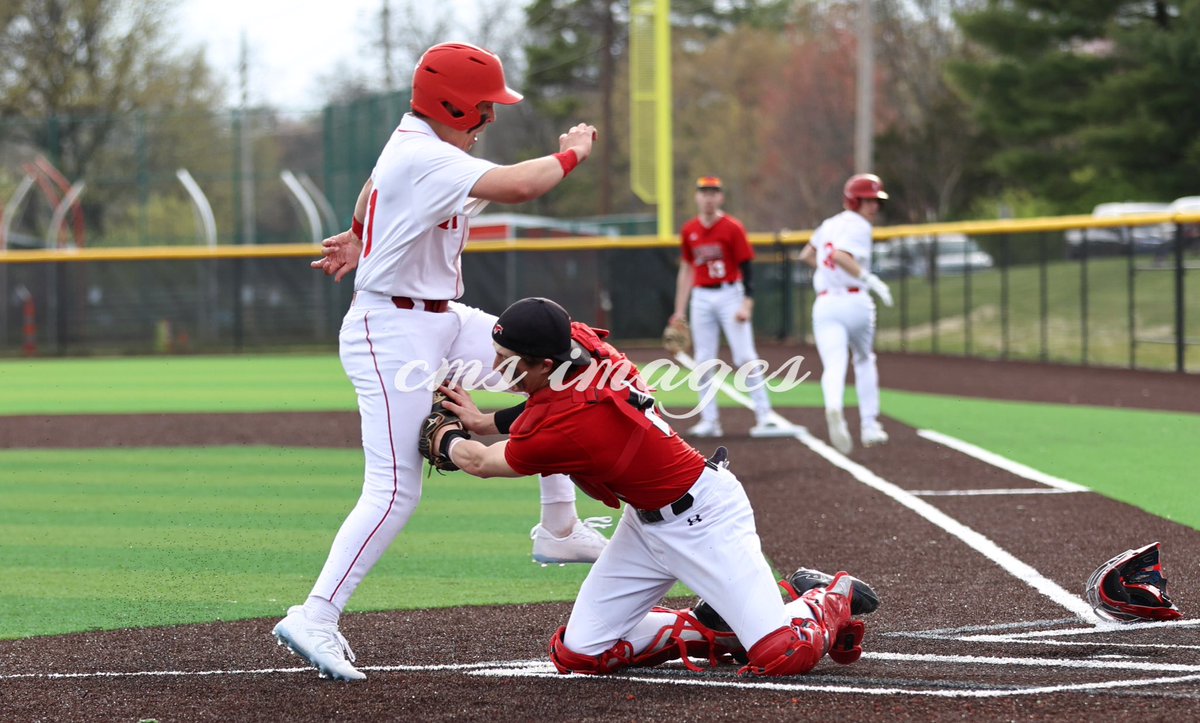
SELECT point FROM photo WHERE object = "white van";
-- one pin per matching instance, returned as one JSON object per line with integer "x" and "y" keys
{"x": 1191, "y": 231}
{"x": 1117, "y": 239}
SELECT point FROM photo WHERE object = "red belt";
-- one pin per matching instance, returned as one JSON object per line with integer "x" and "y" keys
{"x": 849, "y": 290}
{"x": 433, "y": 307}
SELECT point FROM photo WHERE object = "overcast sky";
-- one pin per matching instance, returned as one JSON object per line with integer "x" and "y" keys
{"x": 292, "y": 42}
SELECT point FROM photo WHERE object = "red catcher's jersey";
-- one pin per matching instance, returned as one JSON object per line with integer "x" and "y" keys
{"x": 717, "y": 252}
{"x": 613, "y": 450}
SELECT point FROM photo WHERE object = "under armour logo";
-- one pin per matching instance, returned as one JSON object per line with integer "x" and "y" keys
{"x": 693, "y": 520}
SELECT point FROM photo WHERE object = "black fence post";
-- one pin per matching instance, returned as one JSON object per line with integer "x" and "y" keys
{"x": 934, "y": 295}
{"x": 1180, "y": 338}
{"x": 1132, "y": 310}
{"x": 785, "y": 290}
{"x": 1005, "y": 261}
{"x": 1083, "y": 298}
{"x": 903, "y": 253}
{"x": 967, "y": 299}
{"x": 61, "y": 295}
{"x": 802, "y": 306}
{"x": 1043, "y": 294}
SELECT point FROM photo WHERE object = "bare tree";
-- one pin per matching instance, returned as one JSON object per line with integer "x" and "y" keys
{"x": 70, "y": 67}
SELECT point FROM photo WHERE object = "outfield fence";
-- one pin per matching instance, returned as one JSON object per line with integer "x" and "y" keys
{"x": 1024, "y": 289}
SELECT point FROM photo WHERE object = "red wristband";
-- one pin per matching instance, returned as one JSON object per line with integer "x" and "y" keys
{"x": 356, "y": 228}
{"x": 568, "y": 160}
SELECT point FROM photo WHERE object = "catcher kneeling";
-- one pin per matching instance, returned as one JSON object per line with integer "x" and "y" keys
{"x": 687, "y": 518}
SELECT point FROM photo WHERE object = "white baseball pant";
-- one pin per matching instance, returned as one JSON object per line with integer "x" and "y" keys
{"x": 713, "y": 548}
{"x": 845, "y": 323}
{"x": 377, "y": 340}
{"x": 713, "y": 311}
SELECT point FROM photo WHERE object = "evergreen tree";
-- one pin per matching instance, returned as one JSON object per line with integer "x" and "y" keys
{"x": 1089, "y": 100}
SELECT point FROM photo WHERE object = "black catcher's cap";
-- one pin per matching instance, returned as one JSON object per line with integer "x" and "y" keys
{"x": 539, "y": 328}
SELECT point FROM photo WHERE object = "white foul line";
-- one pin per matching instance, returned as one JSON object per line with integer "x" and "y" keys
{"x": 801, "y": 685}
{"x": 543, "y": 669}
{"x": 1003, "y": 463}
{"x": 492, "y": 664}
{"x": 976, "y": 541}
{"x": 1103, "y": 626}
{"x": 984, "y": 493}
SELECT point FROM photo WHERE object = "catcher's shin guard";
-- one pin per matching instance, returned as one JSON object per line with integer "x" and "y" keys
{"x": 568, "y": 661}
{"x": 790, "y": 650}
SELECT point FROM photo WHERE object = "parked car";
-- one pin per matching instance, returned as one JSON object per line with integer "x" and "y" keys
{"x": 954, "y": 253}
{"x": 1153, "y": 238}
{"x": 1191, "y": 231}
{"x": 896, "y": 258}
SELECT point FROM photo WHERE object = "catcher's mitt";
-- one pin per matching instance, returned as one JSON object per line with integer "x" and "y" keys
{"x": 677, "y": 337}
{"x": 440, "y": 418}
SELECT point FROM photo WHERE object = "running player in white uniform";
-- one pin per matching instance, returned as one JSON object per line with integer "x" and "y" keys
{"x": 410, "y": 226}
{"x": 844, "y": 313}
{"x": 714, "y": 274}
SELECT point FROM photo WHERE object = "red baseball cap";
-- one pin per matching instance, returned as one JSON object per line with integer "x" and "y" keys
{"x": 706, "y": 182}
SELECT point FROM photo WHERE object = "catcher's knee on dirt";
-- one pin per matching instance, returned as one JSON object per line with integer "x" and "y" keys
{"x": 790, "y": 650}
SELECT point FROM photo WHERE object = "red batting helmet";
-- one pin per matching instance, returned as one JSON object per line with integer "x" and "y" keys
{"x": 1131, "y": 587}
{"x": 860, "y": 186}
{"x": 452, "y": 78}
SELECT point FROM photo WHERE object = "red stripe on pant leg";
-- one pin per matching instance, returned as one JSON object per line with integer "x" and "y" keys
{"x": 392, "y": 442}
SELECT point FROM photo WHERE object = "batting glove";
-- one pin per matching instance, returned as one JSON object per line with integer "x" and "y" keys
{"x": 877, "y": 285}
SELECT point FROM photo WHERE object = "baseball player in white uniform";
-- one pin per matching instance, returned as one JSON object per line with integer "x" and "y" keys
{"x": 410, "y": 227}
{"x": 844, "y": 313}
{"x": 714, "y": 284}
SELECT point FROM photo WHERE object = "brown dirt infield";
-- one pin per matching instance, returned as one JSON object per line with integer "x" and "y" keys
{"x": 937, "y": 591}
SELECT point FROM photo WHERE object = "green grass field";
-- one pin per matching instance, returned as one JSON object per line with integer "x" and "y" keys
{"x": 111, "y": 538}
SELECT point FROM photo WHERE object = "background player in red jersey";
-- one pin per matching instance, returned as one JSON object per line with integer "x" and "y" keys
{"x": 715, "y": 275}
{"x": 686, "y": 518}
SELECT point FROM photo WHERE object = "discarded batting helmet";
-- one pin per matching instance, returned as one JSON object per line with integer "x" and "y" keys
{"x": 1131, "y": 588}
{"x": 452, "y": 78}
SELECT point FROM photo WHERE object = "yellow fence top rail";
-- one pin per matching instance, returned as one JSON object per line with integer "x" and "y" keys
{"x": 599, "y": 243}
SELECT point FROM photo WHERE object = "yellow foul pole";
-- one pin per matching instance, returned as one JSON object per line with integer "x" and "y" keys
{"x": 664, "y": 166}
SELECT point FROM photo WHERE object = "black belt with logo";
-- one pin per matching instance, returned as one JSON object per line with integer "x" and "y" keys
{"x": 683, "y": 504}
{"x": 678, "y": 507}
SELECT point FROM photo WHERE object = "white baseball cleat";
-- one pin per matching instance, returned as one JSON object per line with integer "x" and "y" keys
{"x": 873, "y": 434}
{"x": 320, "y": 644}
{"x": 584, "y": 544}
{"x": 771, "y": 426}
{"x": 839, "y": 433}
{"x": 707, "y": 429}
